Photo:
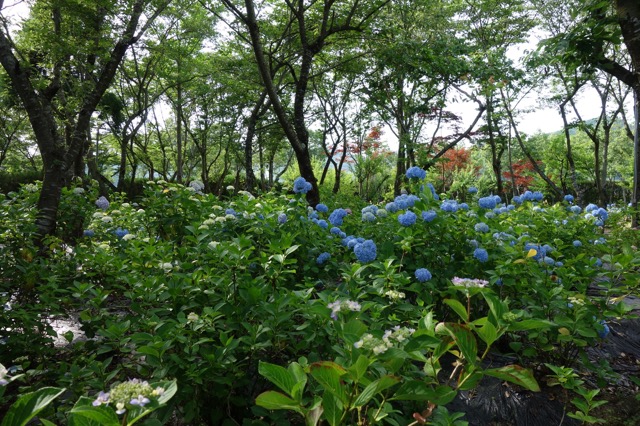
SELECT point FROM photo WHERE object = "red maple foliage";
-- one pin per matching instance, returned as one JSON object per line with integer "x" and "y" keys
{"x": 523, "y": 175}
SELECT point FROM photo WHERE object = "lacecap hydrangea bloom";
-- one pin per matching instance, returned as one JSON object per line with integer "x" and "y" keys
{"x": 365, "y": 251}
{"x": 128, "y": 394}
{"x": 301, "y": 186}
{"x": 340, "y": 305}
{"x": 469, "y": 282}
{"x": 416, "y": 172}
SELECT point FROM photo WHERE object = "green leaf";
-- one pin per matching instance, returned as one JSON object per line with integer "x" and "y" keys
{"x": 458, "y": 308}
{"x": 328, "y": 374}
{"x": 530, "y": 324}
{"x": 272, "y": 400}
{"x": 29, "y": 405}
{"x": 88, "y": 415}
{"x": 352, "y": 331}
{"x": 301, "y": 380}
{"x": 375, "y": 387}
{"x": 488, "y": 333}
{"x": 515, "y": 374}
{"x": 416, "y": 390}
{"x": 359, "y": 367}
{"x": 496, "y": 306}
{"x": 332, "y": 408}
{"x": 278, "y": 375}
{"x": 463, "y": 337}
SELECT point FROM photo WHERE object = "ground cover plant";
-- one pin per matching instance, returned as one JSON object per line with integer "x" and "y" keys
{"x": 263, "y": 310}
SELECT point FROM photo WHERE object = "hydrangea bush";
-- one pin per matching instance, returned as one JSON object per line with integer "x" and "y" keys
{"x": 232, "y": 297}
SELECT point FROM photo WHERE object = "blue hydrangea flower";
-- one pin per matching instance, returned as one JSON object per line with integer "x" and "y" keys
{"x": 120, "y": 232}
{"x": 282, "y": 218}
{"x": 89, "y": 233}
{"x": 481, "y": 254}
{"x": 416, "y": 172}
{"x": 518, "y": 199}
{"x": 601, "y": 213}
{"x": 391, "y": 207}
{"x": 577, "y": 243}
{"x": 335, "y": 230}
{"x": 511, "y": 207}
{"x": 569, "y": 198}
{"x": 464, "y": 206}
{"x": 322, "y": 224}
{"x": 429, "y": 215}
{"x": 538, "y": 196}
{"x": 322, "y": 258}
{"x": 605, "y": 329}
{"x": 499, "y": 282}
{"x": 102, "y": 203}
{"x": 313, "y": 215}
{"x": 368, "y": 217}
{"x": 575, "y": 209}
{"x": 497, "y": 199}
{"x": 365, "y": 251}
{"x": 336, "y": 217}
{"x": 423, "y": 274}
{"x": 346, "y": 240}
{"x": 474, "y": 243}
{"x": 450, "y": 206}
{"x": 301, "y": 186}
{"x": 488, "y": 203}
{"x": 489, "y": 215}
{"x": 481, "y": 227}
{"x": 322, "y": 208}
{"x": 472, "y": 190}
{"x": 407, "y": 219}
{"x": 230, "y": 211}
{"x": 590, "y": 207}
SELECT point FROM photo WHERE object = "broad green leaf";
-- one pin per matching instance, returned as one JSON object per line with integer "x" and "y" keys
{"x": 488, "y": 333}
{"x": 352, "y": 331}
{"x": 496, "y": 306}
{"x": 272, "y": 400}
{"x": 87, "y": 415}
{"x": 301, "y": 380}
{"x": 463, "y": 337}
{"x": 416, "y": 390}
{"x": 458, "y": 308}
{"x": 375, "y": 387}
{"x": 29, "y": 405}
{"x": 328, "y": 374}
{"x": 278, "y": 375}
{"x": 359, "y": 367}
{"x": 516, "y": 375}
{"x": 530, "y": 324}
{"x": 333, "y": 409}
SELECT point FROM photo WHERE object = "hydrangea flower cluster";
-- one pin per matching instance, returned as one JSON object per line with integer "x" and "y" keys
{"x": 322, "y": 208}
{"x": 394, "y": 295}
{"x": 481, "y": 227}
{"x": 380, "y": 345}
{"x": 128, "y": 394}
{"x": 472, "y": 190}
{"x": 301, "y": 186}
{"x": 343, "y": 305}
{"x": 282, "y": 218}
{"x": 102, "y": 203}
{"x": 429, "y": 215}
{"x": 481, "y": 254}
{"x": 337, "y": 216}
{"x": 365, "y": 251}
{"x": 469, "y": 282}
{"x": 322, "y": 258}
{"x": 450, "y": 206}
{"x": 407, "y": 219}
{"x": 488, "y": 203}
{"x": 416, "y": 172}
{"x": 433, "y": 191}
{"x": 119, "y": 232}
{"x": 569, "y": 198}
{"x": 405, "y": 201}
{"x": 423, "y": 274}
